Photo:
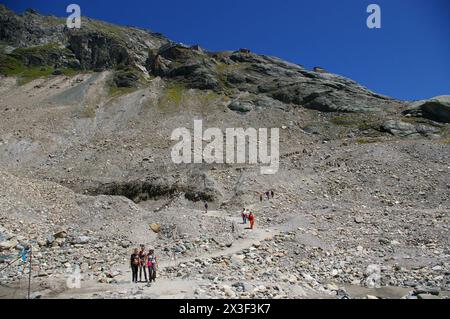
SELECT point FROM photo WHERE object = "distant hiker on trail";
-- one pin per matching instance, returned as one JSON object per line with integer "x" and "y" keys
{"x": 142, "y": 265}
{"x": 260, "y": 197}
{"x": 272, "y": 193}
{"x": 134, "y": 264}
{"x": 251, "y": 218}
{"x": 244, "y": 216}
{"x": 152, "y": 265}
{"x": 268, "y": 195}
{"x": 206, "y": 207}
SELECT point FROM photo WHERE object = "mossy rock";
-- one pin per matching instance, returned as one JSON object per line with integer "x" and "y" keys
{"x": 45, "y": 55}
{"x": 126, "y": 78}
{"x": 10, "y": 66}
{"x": 241, "y": 106}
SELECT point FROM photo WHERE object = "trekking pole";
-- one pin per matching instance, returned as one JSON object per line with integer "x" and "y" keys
{"x": 29, "y": 275}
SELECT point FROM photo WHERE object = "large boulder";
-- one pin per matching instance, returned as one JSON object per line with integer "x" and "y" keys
{"x": 323, "y": 97}
{"x": 60, "y": 233}
{"x": 156, "y": 228}
{"x": 436, "y": 109}
{"x": 8, "y": 244}
{"x": 241, "y": 106}
{"x": 189, "y": 65}
{"x": 158, "y": 65}
{"x": 126, "y": 78}
{"x": 403, "y": 129}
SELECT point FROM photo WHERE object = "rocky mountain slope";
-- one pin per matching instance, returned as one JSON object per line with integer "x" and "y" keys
{"x": 361, "y": 197}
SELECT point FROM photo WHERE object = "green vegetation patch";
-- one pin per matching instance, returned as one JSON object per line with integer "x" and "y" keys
{"x": 174, "y": 94}
{"x": 38, "y": 49}
{"x": 172, "y": 97}
{"x": 48, "y": 54}
{"x": 30, "y": 74}
{"x": 355, "y": 121}
{"x": 69, "y": 71}
{"x": 10, "y": 66}
{"x": 88, "y": 112}
{"x": 343, "y": 121}
{"x": 34, "y": 62}
{"x": 115, "y": 91}
{"x": 414, "y": 120}
{"x": 369, "y": 125}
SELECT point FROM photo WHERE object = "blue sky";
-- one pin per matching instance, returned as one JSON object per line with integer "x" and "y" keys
{"x": 408, "y": 58}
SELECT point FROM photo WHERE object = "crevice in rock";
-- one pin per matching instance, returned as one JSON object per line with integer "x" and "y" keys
{"x": 137, "y": 191}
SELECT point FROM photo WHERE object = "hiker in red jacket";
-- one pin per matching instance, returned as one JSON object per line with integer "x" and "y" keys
{"x": 251, "y": 218}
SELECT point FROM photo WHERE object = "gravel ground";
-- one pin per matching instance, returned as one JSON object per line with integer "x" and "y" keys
{"x": 356, "y": 214}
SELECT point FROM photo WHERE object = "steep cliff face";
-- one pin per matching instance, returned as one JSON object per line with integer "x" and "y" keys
{"x": 32, "y": 39}
{"x": 234, "y": 73}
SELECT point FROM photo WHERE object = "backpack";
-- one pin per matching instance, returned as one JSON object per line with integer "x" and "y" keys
{"x": 151, "y": 261}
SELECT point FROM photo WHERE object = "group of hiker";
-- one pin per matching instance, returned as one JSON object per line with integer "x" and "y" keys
{"x": 268, "y": 194}
{"x": 248, "y": 216}
{"x": 140, "y": 262}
